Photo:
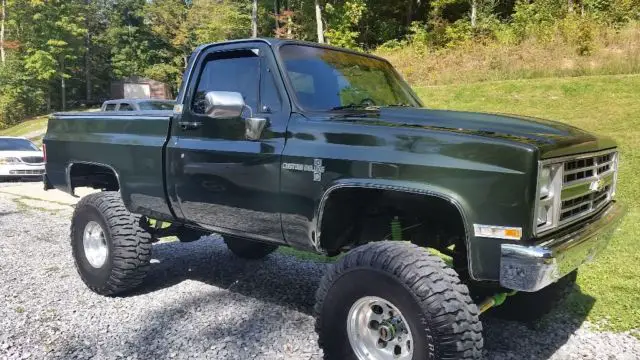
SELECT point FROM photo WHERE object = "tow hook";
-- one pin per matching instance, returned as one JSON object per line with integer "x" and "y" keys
{"x": 493, "y": 301}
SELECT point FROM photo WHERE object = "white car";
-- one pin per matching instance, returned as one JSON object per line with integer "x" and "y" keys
{"x": 20, "y": 158}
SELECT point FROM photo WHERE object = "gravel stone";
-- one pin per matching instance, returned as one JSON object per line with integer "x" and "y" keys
{"x": 201, "y": 302}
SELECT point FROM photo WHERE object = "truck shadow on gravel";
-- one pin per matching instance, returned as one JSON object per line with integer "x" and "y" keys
{"x": 291, "y": 283}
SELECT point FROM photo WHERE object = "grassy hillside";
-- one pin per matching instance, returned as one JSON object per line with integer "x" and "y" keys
{"x": 608, "y": 105}
{"x": 32, "y": 129}
{"x": 611, "y": 52}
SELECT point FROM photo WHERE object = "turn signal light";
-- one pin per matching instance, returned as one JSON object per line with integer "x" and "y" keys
{"x": 498, "y": 232}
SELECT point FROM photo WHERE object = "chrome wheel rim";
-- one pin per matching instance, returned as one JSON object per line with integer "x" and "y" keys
{"x": 95, "y": 244}
{"x": 377, "y": 330}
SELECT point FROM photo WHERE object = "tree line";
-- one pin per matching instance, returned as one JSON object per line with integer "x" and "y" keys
{"x": 57, "y": 54}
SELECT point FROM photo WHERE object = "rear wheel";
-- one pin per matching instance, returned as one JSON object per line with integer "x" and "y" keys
{"x": 529, "y": 307}
{"x": 111, "y": 250}
{"x": 392, "y": 300}
{"x": 248, "y": 249}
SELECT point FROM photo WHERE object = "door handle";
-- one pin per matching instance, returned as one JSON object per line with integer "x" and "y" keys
{"x": 190, "y": 125}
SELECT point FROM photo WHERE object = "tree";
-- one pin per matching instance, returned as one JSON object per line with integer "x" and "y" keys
{"x": 474, "y": 13}
{"x": 319, "y": 24}
{"x": 55, "y": 40}
{"x": 254, "y": 19}
{"x": 3, "y": 16}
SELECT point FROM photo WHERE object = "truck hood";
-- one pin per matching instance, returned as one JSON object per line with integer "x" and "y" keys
{"x": 550, "y": 137}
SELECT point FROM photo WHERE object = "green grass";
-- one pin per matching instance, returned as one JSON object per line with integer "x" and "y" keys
{"x": 33, "y": 129}
{"x": 29, "y": 126}
{"x": 607, "y": 105}
{"x": 306, "y": 255}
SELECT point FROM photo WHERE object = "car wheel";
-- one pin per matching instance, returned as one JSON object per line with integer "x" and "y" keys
{"x": 394, "y": 300}
{"x": 111, "y": 250}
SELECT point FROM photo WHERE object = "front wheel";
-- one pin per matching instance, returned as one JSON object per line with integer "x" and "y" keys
{"x": 392, "y": 300}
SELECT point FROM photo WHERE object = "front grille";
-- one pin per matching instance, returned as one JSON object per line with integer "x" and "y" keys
{"x": 26, "y": 172}
{"x": 577, "y": 206}
{"x": 33, "y": 159}
{"x": 588, "y": 184}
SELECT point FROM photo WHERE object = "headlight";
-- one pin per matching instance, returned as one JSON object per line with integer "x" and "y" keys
{"x": 544, "y": 182}
{"x": 548, "y": 197}
{"x": 9, "y": 160}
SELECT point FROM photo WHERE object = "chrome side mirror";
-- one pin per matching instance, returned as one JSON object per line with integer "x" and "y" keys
{"x": 223, "y": 104}
{"x": 227, "y": 104}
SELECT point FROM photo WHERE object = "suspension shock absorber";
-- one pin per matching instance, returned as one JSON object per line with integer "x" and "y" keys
{"x": 396, "y": 229}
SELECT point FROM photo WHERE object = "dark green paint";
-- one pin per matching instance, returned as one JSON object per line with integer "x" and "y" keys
{"x": 212, "y": 177}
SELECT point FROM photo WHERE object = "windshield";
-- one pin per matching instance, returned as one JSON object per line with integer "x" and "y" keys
{"x": 156, "y": 105}
{"x": 326, "y": 79}
{"x": 17, "y": 145}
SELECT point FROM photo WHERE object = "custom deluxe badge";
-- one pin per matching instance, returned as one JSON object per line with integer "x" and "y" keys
{"x": 317, "y": 169}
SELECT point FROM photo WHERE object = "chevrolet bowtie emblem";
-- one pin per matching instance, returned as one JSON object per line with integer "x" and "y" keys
{"x": 596, "y": 185}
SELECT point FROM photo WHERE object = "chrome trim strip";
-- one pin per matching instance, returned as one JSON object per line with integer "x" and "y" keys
{"x": 607, "y": 176}
{"x": 585, "y": 180}
{"x": 563, "y": 210}
{"x": 315, "y": 241}
{"x": 578, "y": 157}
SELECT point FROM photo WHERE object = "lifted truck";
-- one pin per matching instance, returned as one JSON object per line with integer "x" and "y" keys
{"x": 284, "y": 143}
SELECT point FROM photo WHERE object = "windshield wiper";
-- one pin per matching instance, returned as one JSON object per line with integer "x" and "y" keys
{"x": 355, "y": 107}
{"x": 399, "y": 105}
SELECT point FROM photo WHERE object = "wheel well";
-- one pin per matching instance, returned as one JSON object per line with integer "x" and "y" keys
{"x": 356, "y": 216}
{"x": 93, "y": 175}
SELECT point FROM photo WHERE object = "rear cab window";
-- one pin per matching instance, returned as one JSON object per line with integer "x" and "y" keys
{"x": 156, "y": 105}
{"x": 125, "y": 107}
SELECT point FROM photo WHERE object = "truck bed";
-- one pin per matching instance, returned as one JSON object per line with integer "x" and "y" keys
{"x": 129, "y": 143}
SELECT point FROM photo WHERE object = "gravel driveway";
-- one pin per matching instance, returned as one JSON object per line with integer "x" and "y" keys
{"x": 202, "y": 303}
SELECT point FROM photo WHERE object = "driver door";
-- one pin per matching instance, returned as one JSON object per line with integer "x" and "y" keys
{"x": 217, "y": 177}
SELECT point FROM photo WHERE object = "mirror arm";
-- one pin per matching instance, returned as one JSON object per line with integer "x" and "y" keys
{"x": 250, "y": 110}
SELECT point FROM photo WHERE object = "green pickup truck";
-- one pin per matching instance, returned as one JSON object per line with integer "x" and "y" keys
{"x": 440, "y": 215}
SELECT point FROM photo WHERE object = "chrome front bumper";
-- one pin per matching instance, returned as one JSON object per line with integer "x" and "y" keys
{"x": 531, "y": 268}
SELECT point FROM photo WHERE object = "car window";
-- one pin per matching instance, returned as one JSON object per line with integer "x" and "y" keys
{"x": 326, "y": 79}
{"x": 17, "y": 145}
{"x": 236, "y": 71}
{"x": 125, "y": 107}
{"x": 269, "y": 94}
{"x": 110, "y": 107}
{"x": 156, "y": 105}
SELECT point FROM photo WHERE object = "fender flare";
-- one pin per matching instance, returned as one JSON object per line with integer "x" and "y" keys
{"x": 400, "y": 186}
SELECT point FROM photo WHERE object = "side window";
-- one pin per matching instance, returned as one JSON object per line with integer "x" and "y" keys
{"x": 110, "y": 107}
{"x": 269, "y": 94}
{"x": 236, "y": 71}
{"x": 125, "y": 107}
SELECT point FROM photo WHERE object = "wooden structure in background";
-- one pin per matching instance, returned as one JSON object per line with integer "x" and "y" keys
{"x": 136, "y": 87}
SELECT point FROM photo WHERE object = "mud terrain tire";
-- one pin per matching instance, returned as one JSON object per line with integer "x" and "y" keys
{"x": 442, "y": 319}
{"x": 128, "y": 245}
